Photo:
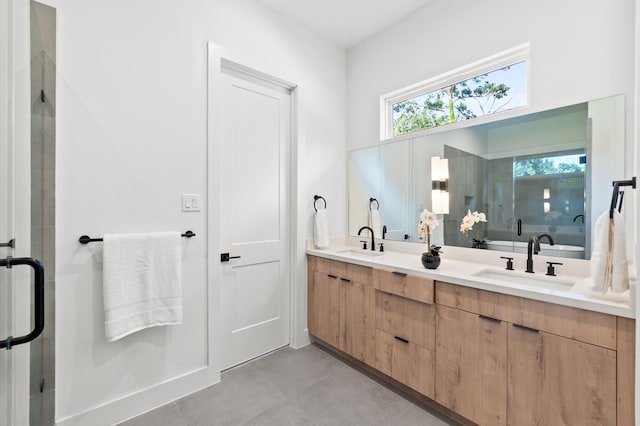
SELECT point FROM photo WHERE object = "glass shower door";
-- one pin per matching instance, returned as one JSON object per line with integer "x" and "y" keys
{"x": 6, "y": 208}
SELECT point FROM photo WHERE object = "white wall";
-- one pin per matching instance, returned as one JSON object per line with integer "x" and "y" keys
{"x": 579, "y": 51}
{"x": 132, "y": 136}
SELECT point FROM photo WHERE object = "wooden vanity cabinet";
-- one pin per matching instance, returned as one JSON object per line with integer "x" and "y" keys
{"x": 544, "y": 363}
{"x": 492, "y": 358}
{"x": 405, "y": 329}
{"x": 341, "y": 306}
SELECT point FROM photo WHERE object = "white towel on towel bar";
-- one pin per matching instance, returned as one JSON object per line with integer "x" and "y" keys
{"x": 375, "y": 222}
{"x": 609, "y": 268}
{"x": 321, "y": 229}
{"x": 141, "y": 282}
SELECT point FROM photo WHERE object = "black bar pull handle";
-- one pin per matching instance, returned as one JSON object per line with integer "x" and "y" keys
{"x": 403, "y": 340}
{"x": 519, "y": 227}
{"x": 484, "y": 317}
{"x": 525, "y": 328}
{"x": 224, "y": 257}
{"x": 38, "y": 282}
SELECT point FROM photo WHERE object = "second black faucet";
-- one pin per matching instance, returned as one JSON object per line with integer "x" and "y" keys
{"x": 373, "y": 241}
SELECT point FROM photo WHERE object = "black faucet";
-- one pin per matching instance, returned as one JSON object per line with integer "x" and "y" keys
{"x": 578, "y": 217}
{"x": 551, "y": 242}
{"x": 532, "y": 248}
{"x": 373, "y": 241}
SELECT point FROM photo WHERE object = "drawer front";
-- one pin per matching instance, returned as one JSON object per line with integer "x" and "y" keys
{"x": 407, "y": 319}
{"x": 408, "y": 363}
{"x": 578, "y": 324}
{"x": 358, "y": 273}
{"x": 410, "y": 286}
{"x": 330, "y": 267}
{"x": 343, "y": 270}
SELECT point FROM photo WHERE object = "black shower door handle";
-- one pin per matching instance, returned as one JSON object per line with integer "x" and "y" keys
{"x": 38, "y": 282}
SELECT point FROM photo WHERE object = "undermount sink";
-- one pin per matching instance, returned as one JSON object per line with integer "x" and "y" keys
{"x": 533, "y": 280}
{"x": 366, "y": 253}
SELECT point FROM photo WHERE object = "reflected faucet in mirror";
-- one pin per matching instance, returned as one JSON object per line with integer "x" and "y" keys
{"x": 578, "y": 217}
{"x": 551, "y": 242}
{"x": 373, "y": 241}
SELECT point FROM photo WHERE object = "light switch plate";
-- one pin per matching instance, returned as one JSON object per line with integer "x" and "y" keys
{"x": 190, "y": 202}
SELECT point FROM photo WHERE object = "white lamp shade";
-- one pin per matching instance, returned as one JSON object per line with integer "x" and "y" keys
{"x": 440, "y": 180}
{"x": 439, "y": 168}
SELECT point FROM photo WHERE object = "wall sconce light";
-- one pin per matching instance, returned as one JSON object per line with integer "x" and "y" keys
{"x": 546, "y": 195}
{"x": 440, "y": 185}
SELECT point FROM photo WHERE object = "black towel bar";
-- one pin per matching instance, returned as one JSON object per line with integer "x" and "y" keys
{"x": 85, "y": 239}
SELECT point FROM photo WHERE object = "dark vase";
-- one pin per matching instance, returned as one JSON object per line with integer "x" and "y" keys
{"x": 430, "y": 261}
{"x": 479, "y": 244}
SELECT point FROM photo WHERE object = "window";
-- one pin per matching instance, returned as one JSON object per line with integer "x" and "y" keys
{"x": 549, "y": 165}
{"x": 497, "y": 84}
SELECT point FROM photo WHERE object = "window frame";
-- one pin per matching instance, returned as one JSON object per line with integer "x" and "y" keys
{"x": 494, "y": 62}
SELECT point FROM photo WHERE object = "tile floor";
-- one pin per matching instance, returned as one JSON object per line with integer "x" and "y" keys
{"x": 307, "y": 386}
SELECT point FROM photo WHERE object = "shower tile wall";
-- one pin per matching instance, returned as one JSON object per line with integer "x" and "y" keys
{"x": 467, "y": 191}
{"x": 43, "y": 144}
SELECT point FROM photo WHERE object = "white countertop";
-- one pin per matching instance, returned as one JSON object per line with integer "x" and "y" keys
{"x": 458, "y": 266}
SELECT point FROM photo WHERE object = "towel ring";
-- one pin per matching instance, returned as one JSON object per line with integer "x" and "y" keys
{"x": 371, "y": 200}
{"x": 315, "y": 199}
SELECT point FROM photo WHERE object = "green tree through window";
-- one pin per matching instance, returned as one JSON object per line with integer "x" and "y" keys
{"x": 485, "y": 94}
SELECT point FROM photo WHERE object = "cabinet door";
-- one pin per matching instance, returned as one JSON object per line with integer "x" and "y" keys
{"x": 357, "y": 326}
{"x": 553, "y": 380}
{"x": 471, "y": 365}
{"x": 406, "y": 362}
{"x": 324, "y": 308}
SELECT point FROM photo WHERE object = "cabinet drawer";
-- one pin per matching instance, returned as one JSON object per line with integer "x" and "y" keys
{"x": 329, "y": 266}
{"x": 578, "y": 324}
{"x": 406, "y": 318}
{"x": 410, "y": 286}
{"x": 408, "y": 363}
{"x": 343, "y": 270}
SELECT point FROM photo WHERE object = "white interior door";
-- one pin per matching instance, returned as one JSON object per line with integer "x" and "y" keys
{"x": 254, "y": 216}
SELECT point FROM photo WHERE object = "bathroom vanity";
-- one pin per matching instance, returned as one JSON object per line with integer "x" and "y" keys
{"x": 473, "y": 344}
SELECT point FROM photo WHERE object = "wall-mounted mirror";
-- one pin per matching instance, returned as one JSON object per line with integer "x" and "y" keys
{"x": 543, "y": 173}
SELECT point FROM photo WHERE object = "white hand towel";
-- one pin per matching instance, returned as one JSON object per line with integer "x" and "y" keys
{"x": 321, "y": 229}
{"x": 141, "y": 282}
{"x": 619, "y": 266}
{"x": 599, "y": 253}
{"x": 375, "y": 222}
{"x": 609, "y": 268}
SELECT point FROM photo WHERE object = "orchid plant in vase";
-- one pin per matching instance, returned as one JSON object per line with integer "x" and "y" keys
{"x": 467, "y": 224}
{"x": 428, "y": 222}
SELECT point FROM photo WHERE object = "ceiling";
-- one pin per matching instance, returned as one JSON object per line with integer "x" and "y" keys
{"x": 345, "y": 22}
